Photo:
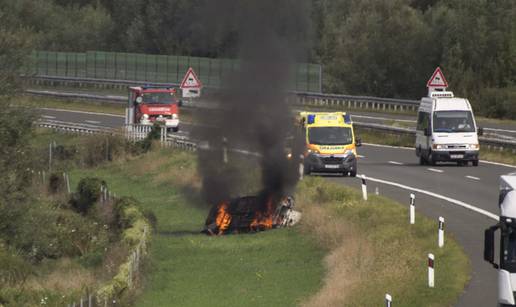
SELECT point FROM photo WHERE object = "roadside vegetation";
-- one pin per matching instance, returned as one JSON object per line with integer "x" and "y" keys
{"x": 472, "y": 40}
{"x": 60, "y": 242}
{"x": 326, "y": 260}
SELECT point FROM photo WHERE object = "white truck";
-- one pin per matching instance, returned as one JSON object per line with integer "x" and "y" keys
{"x": 446, "y": 130}
{"x": 507, "y": 250}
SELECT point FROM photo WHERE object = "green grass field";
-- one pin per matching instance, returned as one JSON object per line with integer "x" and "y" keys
{"x": 187, "y": 268}
{"x": 328, "y": 260}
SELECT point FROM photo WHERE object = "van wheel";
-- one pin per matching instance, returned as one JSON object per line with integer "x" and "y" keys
{"x": 430, "y": 160}
{"x": 475, "y": 162}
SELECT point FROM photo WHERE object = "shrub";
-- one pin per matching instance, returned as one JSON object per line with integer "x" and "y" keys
{"x": 126, "y": 212}
{"x": 88, "y": 192}
{"x": 151, "y": 218}
{"x": 13, "y": 269}
{"x": 56, "y": 183}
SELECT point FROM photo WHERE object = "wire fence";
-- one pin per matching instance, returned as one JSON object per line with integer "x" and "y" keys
{"x": 155, "y": 68}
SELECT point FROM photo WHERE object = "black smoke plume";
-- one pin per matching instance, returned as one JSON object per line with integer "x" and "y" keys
{"x": 253, "y": 113}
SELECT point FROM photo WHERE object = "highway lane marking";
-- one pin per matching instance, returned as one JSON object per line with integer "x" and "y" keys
{"x": 435, "y": 170}
{"x": 92, "y": 122}
{"x": 473, "y": 177}
{"x": 439, "y": 196}
{"x": 361, "y": 157}
{"x": 83, "y": 112}
{"x": 395, "y": 163}
{"x": 48, "y": 116}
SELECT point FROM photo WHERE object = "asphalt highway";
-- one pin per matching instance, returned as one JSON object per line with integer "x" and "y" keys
{"x": 473, "y": 186}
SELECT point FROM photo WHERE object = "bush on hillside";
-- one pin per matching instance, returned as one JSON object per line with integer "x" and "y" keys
{"x": 56, "y": 183}
{"x": 88, "y": 192}
{"x": 126, "y": 212}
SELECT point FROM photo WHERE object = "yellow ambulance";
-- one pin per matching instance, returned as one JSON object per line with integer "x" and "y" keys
{"x": 330, "y": 143}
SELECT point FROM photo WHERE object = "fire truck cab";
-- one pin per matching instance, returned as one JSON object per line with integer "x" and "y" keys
{"x": 148, "y": 104}
{"x": 330, "y": 143}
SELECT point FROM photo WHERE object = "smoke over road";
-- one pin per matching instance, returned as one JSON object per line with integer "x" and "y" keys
{"x": 255, "y": 114}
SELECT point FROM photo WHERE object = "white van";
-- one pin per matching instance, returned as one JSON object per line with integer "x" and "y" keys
{"x": 446, "y": 130}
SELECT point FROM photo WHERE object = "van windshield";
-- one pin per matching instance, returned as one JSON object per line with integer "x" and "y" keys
{"x": 330, "y": 135}
{"x": 453, "y": 121}
{"x": 159, "y": 98}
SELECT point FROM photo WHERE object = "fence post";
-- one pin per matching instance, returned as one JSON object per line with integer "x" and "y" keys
{"x": 50, "y": 158}
{"x": 95, "y": 64}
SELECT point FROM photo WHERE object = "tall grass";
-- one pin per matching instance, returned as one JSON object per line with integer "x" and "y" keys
{"x": 374, "y": 250}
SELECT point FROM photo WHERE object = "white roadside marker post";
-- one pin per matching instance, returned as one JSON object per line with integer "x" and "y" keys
{"x": 364, "y": 187}
{"x": 68, "y": 184}
{"x": 225, "y": 150}
{"x": 412, "y": 209}
{"x": 440, "y": 239}
{"x": 388, "y": 300}
{"x": 431, "y": 277}
{"x": 301, "y": 167}
{"x": 377, "y": 191}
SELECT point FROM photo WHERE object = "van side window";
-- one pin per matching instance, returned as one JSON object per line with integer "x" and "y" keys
{"x": 423, "y": 121}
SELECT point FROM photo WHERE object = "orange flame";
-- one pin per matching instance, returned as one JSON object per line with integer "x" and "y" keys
{"x": 263, "y": 220}
{"x": 223, "y": 218}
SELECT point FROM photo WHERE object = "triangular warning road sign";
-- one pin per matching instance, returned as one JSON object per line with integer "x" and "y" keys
{"x": 190, "y": 80}
{"x": 437, "y": 79}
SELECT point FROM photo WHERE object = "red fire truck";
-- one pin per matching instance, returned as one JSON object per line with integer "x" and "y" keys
{"x": 150, "y": 104}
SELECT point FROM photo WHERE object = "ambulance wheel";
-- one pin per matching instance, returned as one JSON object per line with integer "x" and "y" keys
{"x": 306, "y": 170}
{"x": 475, "y": 162}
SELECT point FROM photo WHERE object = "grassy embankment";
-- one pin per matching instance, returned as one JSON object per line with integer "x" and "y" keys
{"x": 345, "y": 252}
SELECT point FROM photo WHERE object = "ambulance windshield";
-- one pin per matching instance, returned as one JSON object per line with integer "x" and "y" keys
{"x": 330, "y": 135}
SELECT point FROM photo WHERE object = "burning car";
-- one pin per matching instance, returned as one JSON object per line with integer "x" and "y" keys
{"x": 251, "y": 214}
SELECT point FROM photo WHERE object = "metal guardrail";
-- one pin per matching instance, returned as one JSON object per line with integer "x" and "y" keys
{"x": 491, "y": 143}
{"x": 297, "y": 98}
{"x": 349, "y": 101}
